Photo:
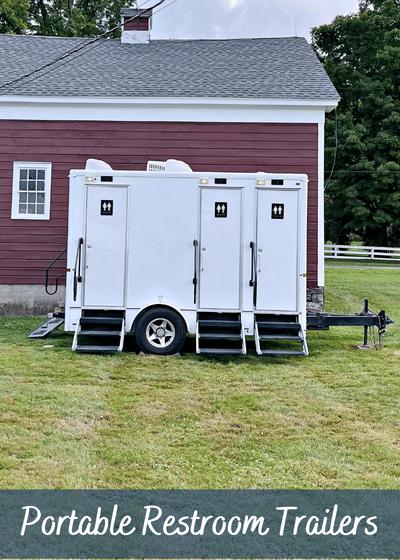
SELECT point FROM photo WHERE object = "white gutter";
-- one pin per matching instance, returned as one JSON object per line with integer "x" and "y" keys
{"x": 143, "y": 109}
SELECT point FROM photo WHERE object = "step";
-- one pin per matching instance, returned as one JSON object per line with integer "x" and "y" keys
{"x": 280, "y": 337}
{"x": 46, "y": 328}
{"x": 283, "y": 352}
{"x": 99, "y": 333}
{"x": 106, "y": 321}
{"x": 217, "y": 324}
{"x": 278, "y": 325}
{"x": 220, "y": 351}
{"x": 91, "y": 348}
{"x": 220, "y": 335}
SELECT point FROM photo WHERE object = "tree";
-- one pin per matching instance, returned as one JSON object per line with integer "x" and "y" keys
{"x": 361, "y": 54}
{"x": 13, "y": 16}
{"x": 76, "y": 18}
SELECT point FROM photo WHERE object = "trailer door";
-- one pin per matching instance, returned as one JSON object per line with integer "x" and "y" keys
{"x": 105, "y": 246}
{"x": 277, "y": 250}
{"x": 220, "y": 248}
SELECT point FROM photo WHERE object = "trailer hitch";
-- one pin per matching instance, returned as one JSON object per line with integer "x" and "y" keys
{"x": 367, "y": 319}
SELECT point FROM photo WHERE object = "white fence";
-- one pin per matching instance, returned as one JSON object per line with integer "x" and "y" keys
{"x": 362, "y": 252}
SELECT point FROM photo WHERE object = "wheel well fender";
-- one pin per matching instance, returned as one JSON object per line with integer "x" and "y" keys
{"x": 153, "y": 306}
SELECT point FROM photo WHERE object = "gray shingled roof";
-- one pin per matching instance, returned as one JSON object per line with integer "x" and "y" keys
{"x": 236, "y": 68}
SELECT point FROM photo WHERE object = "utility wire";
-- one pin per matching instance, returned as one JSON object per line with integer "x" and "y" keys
{"x": 336, "y": 149}
{"x": 80, "y": 47}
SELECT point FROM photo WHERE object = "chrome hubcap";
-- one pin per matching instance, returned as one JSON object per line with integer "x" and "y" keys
{"x": 160, "y": 333}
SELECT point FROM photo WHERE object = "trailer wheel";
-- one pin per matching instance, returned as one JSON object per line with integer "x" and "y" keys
{"x": 160, "y": 331}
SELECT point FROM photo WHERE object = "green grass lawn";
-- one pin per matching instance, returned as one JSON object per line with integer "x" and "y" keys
{"x": 330, "y": 420}
{"x": 362, "y": 263}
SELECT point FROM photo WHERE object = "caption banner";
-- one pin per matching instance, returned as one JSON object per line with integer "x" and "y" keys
{"x": 200, "y": 524}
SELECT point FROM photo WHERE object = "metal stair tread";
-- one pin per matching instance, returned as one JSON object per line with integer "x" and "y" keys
{"x": 220, "y": 351}
{"x": 212, "y": 323}
{"x": 278, "y": 325}
{"x": 96, "y": 349}
{"x": 283, "y": 352}
{"x": 99, "y": 333}
{"x": 220, "y": 335}
{"x": 46, "y": 328}
{"x": 101, "y": 321}
{"x": 280, "y": 337}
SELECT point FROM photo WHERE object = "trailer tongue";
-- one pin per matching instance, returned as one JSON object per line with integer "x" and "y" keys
{"x": 167, "y": 252}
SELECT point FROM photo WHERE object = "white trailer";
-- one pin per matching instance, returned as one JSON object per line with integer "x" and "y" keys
{"x": 168, "y": 252}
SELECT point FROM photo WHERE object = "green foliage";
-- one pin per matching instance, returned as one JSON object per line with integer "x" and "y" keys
{"x": 13, "y": 16}
{"x": 361, "y": 54}
{"x": 76, "y": 18}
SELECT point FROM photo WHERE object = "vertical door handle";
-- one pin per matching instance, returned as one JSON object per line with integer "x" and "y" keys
{"x": 253, "y": 277}
{"x": 203, "y": 249}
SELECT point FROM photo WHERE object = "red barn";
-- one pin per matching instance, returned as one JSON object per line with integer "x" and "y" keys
{"x": 240, "y": 105}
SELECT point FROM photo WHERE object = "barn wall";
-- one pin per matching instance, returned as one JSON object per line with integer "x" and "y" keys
{"x": 27, "y": 247}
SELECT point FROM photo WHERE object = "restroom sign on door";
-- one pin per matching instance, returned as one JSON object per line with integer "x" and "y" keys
{"x": 277, "y": 211}
{"x": 106, "y": 208}
{"x": 221, "y": 209}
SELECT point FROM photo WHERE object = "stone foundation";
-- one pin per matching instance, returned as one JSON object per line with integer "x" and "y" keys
{"x": 22, "y": 300}
{"x": 315, "y": 299}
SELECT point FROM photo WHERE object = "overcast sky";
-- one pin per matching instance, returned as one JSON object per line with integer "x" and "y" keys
{"x": 226, "y": 19}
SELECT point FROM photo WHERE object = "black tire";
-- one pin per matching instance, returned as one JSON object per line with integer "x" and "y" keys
{"x": 160, "y": 331}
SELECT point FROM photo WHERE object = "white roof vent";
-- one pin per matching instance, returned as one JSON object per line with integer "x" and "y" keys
{"x": 177, "y": 165}
{"x": 97, "y": 164}
{"x": 156, "y": 165}
{"x": 171, "y": 165}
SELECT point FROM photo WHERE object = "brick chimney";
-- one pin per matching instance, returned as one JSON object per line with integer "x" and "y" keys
{"x": 136, "y": 25}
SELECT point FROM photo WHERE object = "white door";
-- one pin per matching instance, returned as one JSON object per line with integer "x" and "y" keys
{"x": 277, "y": 250}
{"x": 220, "y": 248}
{"x": 105, "y": 249}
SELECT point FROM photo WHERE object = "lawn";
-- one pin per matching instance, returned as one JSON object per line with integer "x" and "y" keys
{"x": 330, "y": 420}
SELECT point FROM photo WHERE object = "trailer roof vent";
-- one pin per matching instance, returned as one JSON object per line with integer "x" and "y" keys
{"x": 97, "y": 164}
{"x": 171, "y": 165}
{"x": 177, "y": 165}
{"x": 155, "y": 166}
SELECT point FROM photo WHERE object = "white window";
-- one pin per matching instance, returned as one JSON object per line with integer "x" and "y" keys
{"x": 31, "y": 191}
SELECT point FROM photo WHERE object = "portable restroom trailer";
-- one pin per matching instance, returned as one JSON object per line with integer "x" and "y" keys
{"x": 167, "y": 251}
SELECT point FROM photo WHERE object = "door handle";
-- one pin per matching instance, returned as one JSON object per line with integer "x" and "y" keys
{"x": 253, "y": 277}
{"x": 203, "y": 249}
{"x": 259, "y": 259}
{"x": 195, "y": 245}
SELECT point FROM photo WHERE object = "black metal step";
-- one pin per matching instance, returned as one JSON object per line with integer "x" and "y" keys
{"x": 220, "y": 351}
{"x": 99, "y": 333}
{"x": 98, "y": 321}
{"x": 218, "y": 324}
{"x": 278, "y": 325}
{"x": 46, "y": 328}
{"x": 283, "y": 352}
{"x": 280, "y": 337}
{"x": 220, "y": 335}
{"x": 92, "y": 349}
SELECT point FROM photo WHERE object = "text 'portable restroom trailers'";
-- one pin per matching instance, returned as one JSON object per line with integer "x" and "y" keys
{"x": 168, "y": 251}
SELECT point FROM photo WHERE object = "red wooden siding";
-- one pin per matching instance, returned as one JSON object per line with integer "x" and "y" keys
{"x": 27, "y": 247}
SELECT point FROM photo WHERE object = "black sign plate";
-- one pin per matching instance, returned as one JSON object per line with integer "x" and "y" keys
{"x": 277, "y": 211}
{"x": 221, "y": 209}
{"x": 106, "y": 208}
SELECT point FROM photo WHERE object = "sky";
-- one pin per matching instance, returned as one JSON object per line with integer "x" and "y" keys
{"x": 230, "y": 19}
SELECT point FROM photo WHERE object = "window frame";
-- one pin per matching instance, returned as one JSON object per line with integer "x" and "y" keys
{"x": 18, "y": 165}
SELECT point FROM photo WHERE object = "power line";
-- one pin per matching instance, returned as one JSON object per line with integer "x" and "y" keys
{"x": 79, "y": 48}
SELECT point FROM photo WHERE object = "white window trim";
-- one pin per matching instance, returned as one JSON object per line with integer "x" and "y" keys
{"x": 15, "y": 215}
